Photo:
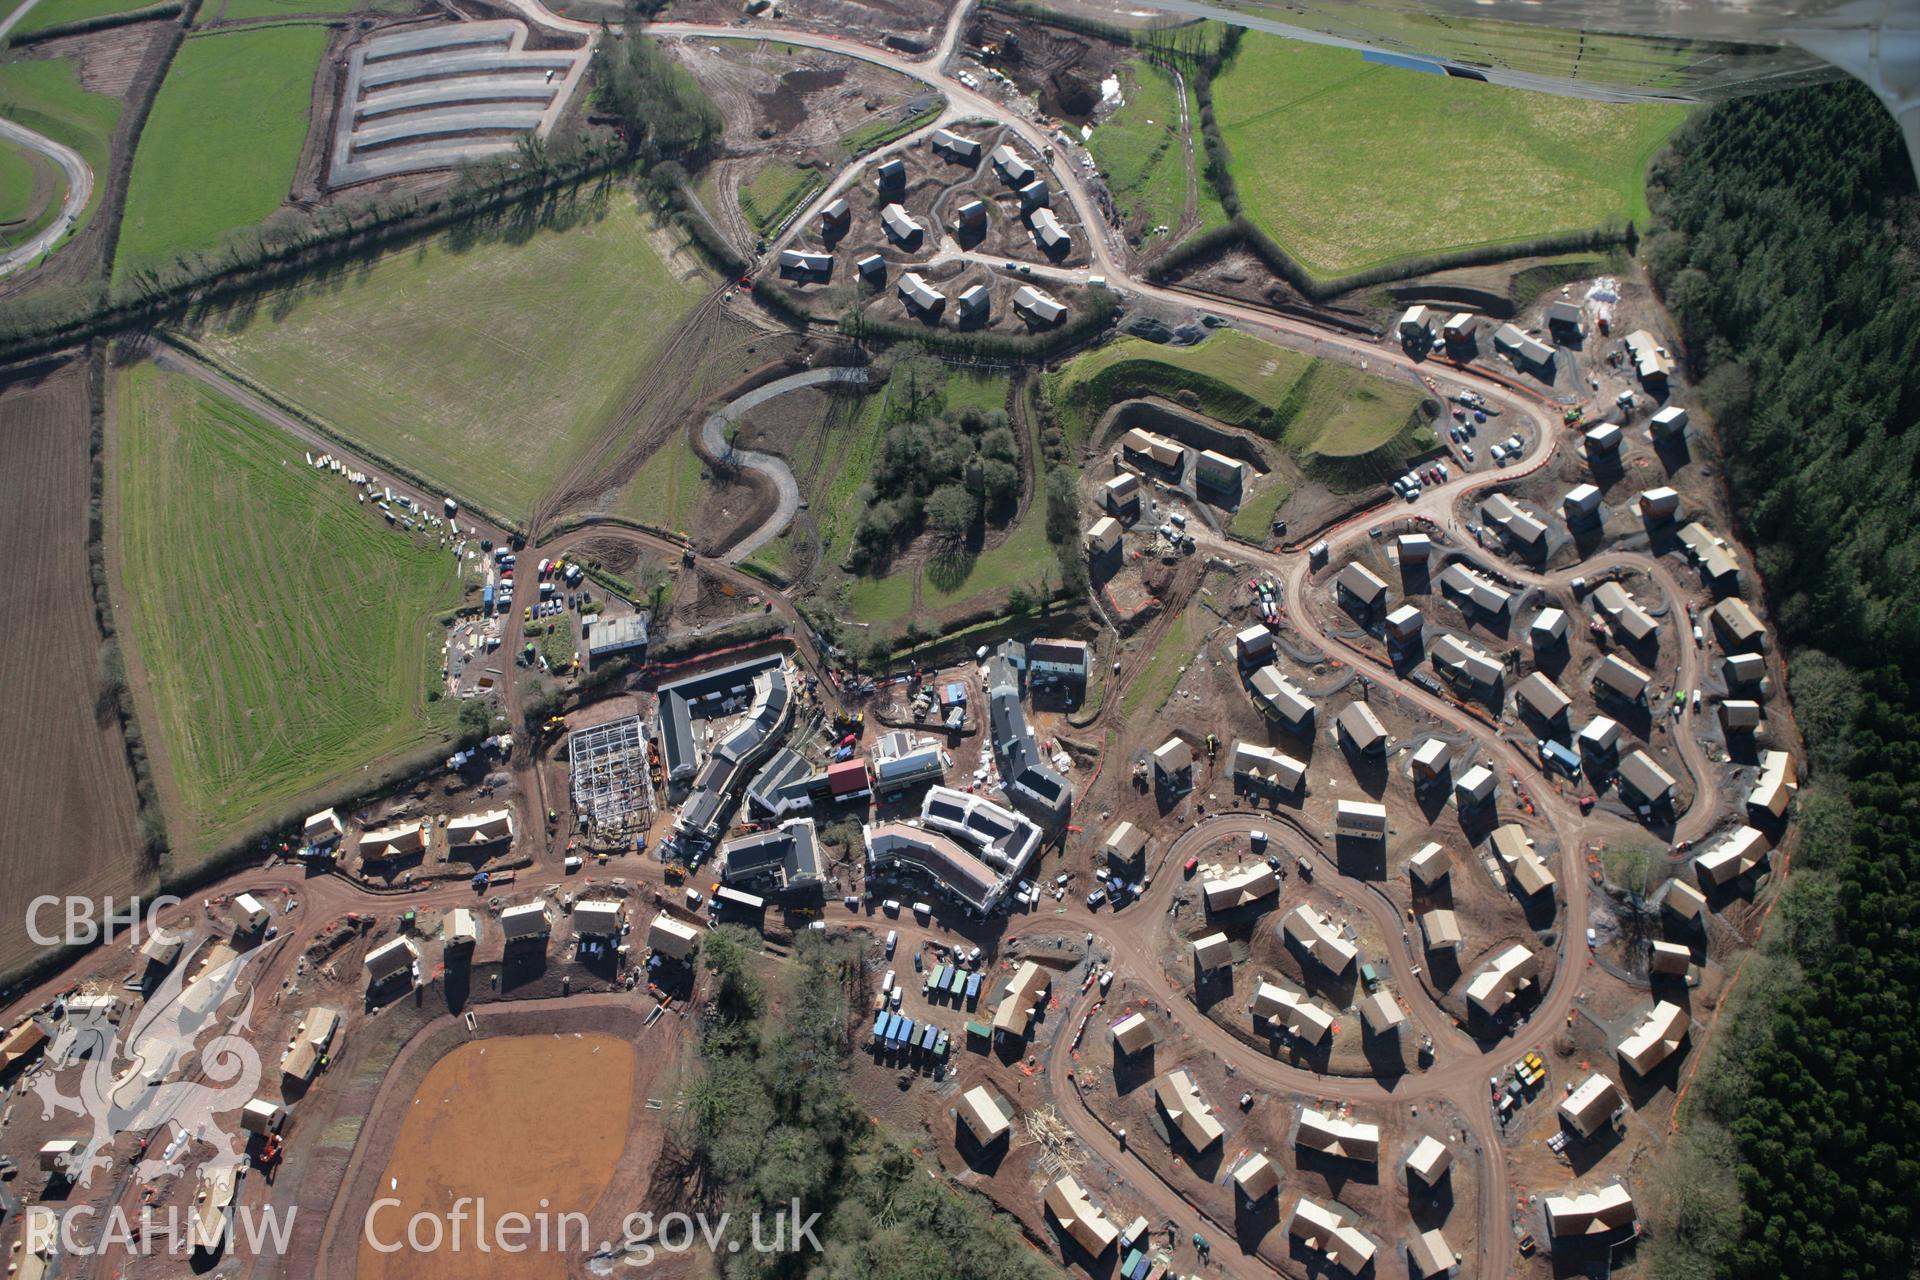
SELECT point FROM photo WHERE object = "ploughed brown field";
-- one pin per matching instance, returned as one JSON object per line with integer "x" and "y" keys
{"x": 67, "y": 815}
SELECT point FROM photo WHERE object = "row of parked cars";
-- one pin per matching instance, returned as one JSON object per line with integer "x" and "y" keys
{"x": 1408, "y": 486}
{"x": 1511, "y": 447}
{"x": 1115, "y": 890}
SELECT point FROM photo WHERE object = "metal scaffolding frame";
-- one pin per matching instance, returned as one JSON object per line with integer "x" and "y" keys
{"x": 608, "y": 774}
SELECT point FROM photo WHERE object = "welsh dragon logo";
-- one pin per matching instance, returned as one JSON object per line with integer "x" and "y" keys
{"x": 159, "y": 1081}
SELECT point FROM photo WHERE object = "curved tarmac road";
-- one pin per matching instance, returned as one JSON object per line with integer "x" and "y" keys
{"x": 713, "y": 436}
{"x": 79, "y": 191}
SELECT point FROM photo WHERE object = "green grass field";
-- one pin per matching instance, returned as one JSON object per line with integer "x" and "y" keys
{"x": 221, "y": 144}
{"x": 1139, "y": 150}
{"x": 1149, "y": 691}
{"x": 1350, "y": 164}
{"x": 776, "y": 190}
{"x": 487, "y": 367}
{"x": 1562, "y": 53}
{"x": 18, "y": 168}
{"x": 1327, "y": 414}
{"x": 44, "y": 94}
{"x": 1022, "y": 560}
{"x": 283, "y": 628}
{"x": 983, "y": 391}
{"x": 1254, "y": 519}
{"x": 54, "y": 13}
{"x": 837, "y": 463}
{"x": 879, "y": 132}
{"x": 669, "y": 486}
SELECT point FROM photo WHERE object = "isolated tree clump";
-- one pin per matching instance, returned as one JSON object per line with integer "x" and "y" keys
{"x": 949, "y": 472}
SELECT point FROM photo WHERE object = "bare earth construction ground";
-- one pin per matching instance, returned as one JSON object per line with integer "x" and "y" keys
{"x": 487, "y": 1097}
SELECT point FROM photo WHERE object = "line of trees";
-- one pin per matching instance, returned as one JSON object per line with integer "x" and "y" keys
{"x": 663, "y": 112}
{"x": 115, "y": 697}
{"x": 1786, "y": 242}
{"x": 1063, "y": 498}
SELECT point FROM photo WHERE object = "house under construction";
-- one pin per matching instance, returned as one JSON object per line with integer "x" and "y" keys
{"x": 609, "y": 775}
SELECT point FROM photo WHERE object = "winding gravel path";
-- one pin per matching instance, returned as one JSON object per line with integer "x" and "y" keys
{"x": 713, "y": 438}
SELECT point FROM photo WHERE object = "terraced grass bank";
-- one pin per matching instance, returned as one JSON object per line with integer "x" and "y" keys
{"x": 221, "y": 144}
{"x": 486, "y": 366}
{"x": 1348, "y": 164}
{"x": 878, "y": 133}
{"x": 777, "y": 189}
{"x": 283, "y": 630}
{"x": 1346, "y": 427}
